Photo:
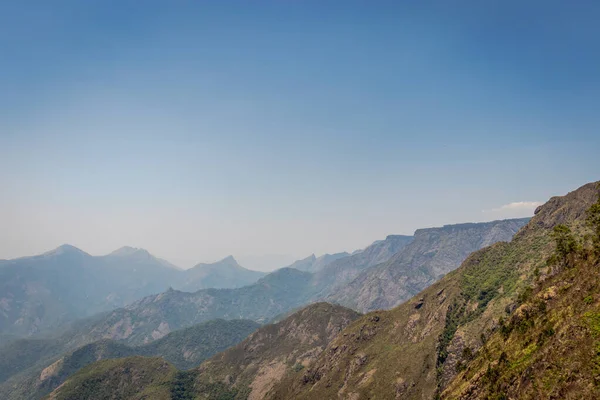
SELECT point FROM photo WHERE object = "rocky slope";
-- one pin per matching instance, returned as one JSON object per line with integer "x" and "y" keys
{"x": 185, "y": 349}
{"x": 546, "y": 346}
{"x": 433, "y": 253}
{"x": 247, "y": 370}
{"x": 255, "y": 365}
{"x": 415, "y": 350}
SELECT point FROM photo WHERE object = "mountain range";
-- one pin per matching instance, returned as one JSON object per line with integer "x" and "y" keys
{"x": 154, "y": 317}
{"x": 37, "y": 298}
{"x": 517, "y": 319}
{"x": 41, "y": 293}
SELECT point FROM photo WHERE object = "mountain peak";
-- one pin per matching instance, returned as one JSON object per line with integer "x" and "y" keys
{"x": 229, "y": 260}
{"x": 65, "y": 249}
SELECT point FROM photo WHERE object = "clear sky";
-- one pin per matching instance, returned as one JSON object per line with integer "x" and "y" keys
{"x": 199, "y": 129}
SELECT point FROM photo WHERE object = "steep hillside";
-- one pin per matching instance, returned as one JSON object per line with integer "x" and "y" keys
{"x": 414, "y": 350}
{"x": 185, "y": 349}
{"x": 433, "y": 253}
{"x": 547, "y": 345}
{"x": 254, "y": 366}
{"x": 247, "y": 370}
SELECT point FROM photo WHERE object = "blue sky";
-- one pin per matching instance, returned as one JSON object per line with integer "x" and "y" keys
{"x": 202, "y": 129}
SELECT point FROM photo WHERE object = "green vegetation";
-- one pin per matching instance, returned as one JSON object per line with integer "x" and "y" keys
{"x": 566, "y": 246}
{"x": 186, "y": 348}
{"x": 183, "y": 385}
{"x": 126, "y": 378}
{"x": 549, "y": 346}
{"x": 593, "y": 221}
{"x": 228, "y": 375}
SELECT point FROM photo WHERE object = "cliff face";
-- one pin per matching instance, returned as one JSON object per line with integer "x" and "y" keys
{"x": 433, "y": 253}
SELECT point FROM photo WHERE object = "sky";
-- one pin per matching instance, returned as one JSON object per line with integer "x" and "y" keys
{"x": 270, "y": 130}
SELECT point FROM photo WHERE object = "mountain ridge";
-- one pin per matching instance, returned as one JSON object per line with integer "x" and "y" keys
{"x": 431, "y": 254}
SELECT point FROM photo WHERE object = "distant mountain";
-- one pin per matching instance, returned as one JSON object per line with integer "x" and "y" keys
{"x": 304, "y": 264}
{"x": 226, "y": 273}
{"x": 247, "y": 370}
{"x": 274, "y": 294}
{"x": 314, "y": 264}
{"x": 433, "y": 253}
{"x": 155, "y": 316}
{"x": 43, "y": 292}
{"x": 185, "y": 349}
{"x": 133, "y": 253}
{"x": 341, "y": 271}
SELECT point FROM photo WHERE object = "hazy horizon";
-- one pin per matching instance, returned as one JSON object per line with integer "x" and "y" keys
{"x": 286, "y": 129}
{"x": 262, "y": 262}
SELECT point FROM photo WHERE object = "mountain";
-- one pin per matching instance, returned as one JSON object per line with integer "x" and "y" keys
{"x": 430, "y": 255}
{"x": 341, "y": 271}
{"x": 416, "y": 350}
{"x": 185, "y": 349}
{"x": 133, "y": 253}
{"x": 226, "y": 273}
{"x": 518, "y": 317}
{"x": 249, "y": 369}
{"x": 274, "y": 294}
{"x": 155, "y": 316}
{"x": 41, "y": 293}
{"x": 546, "y": 348}
{"x": 304, "y": 264}
{"x": 44, "y": 291}
{"x": 255, "y": 365}
{"x": 313, "y": 263}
